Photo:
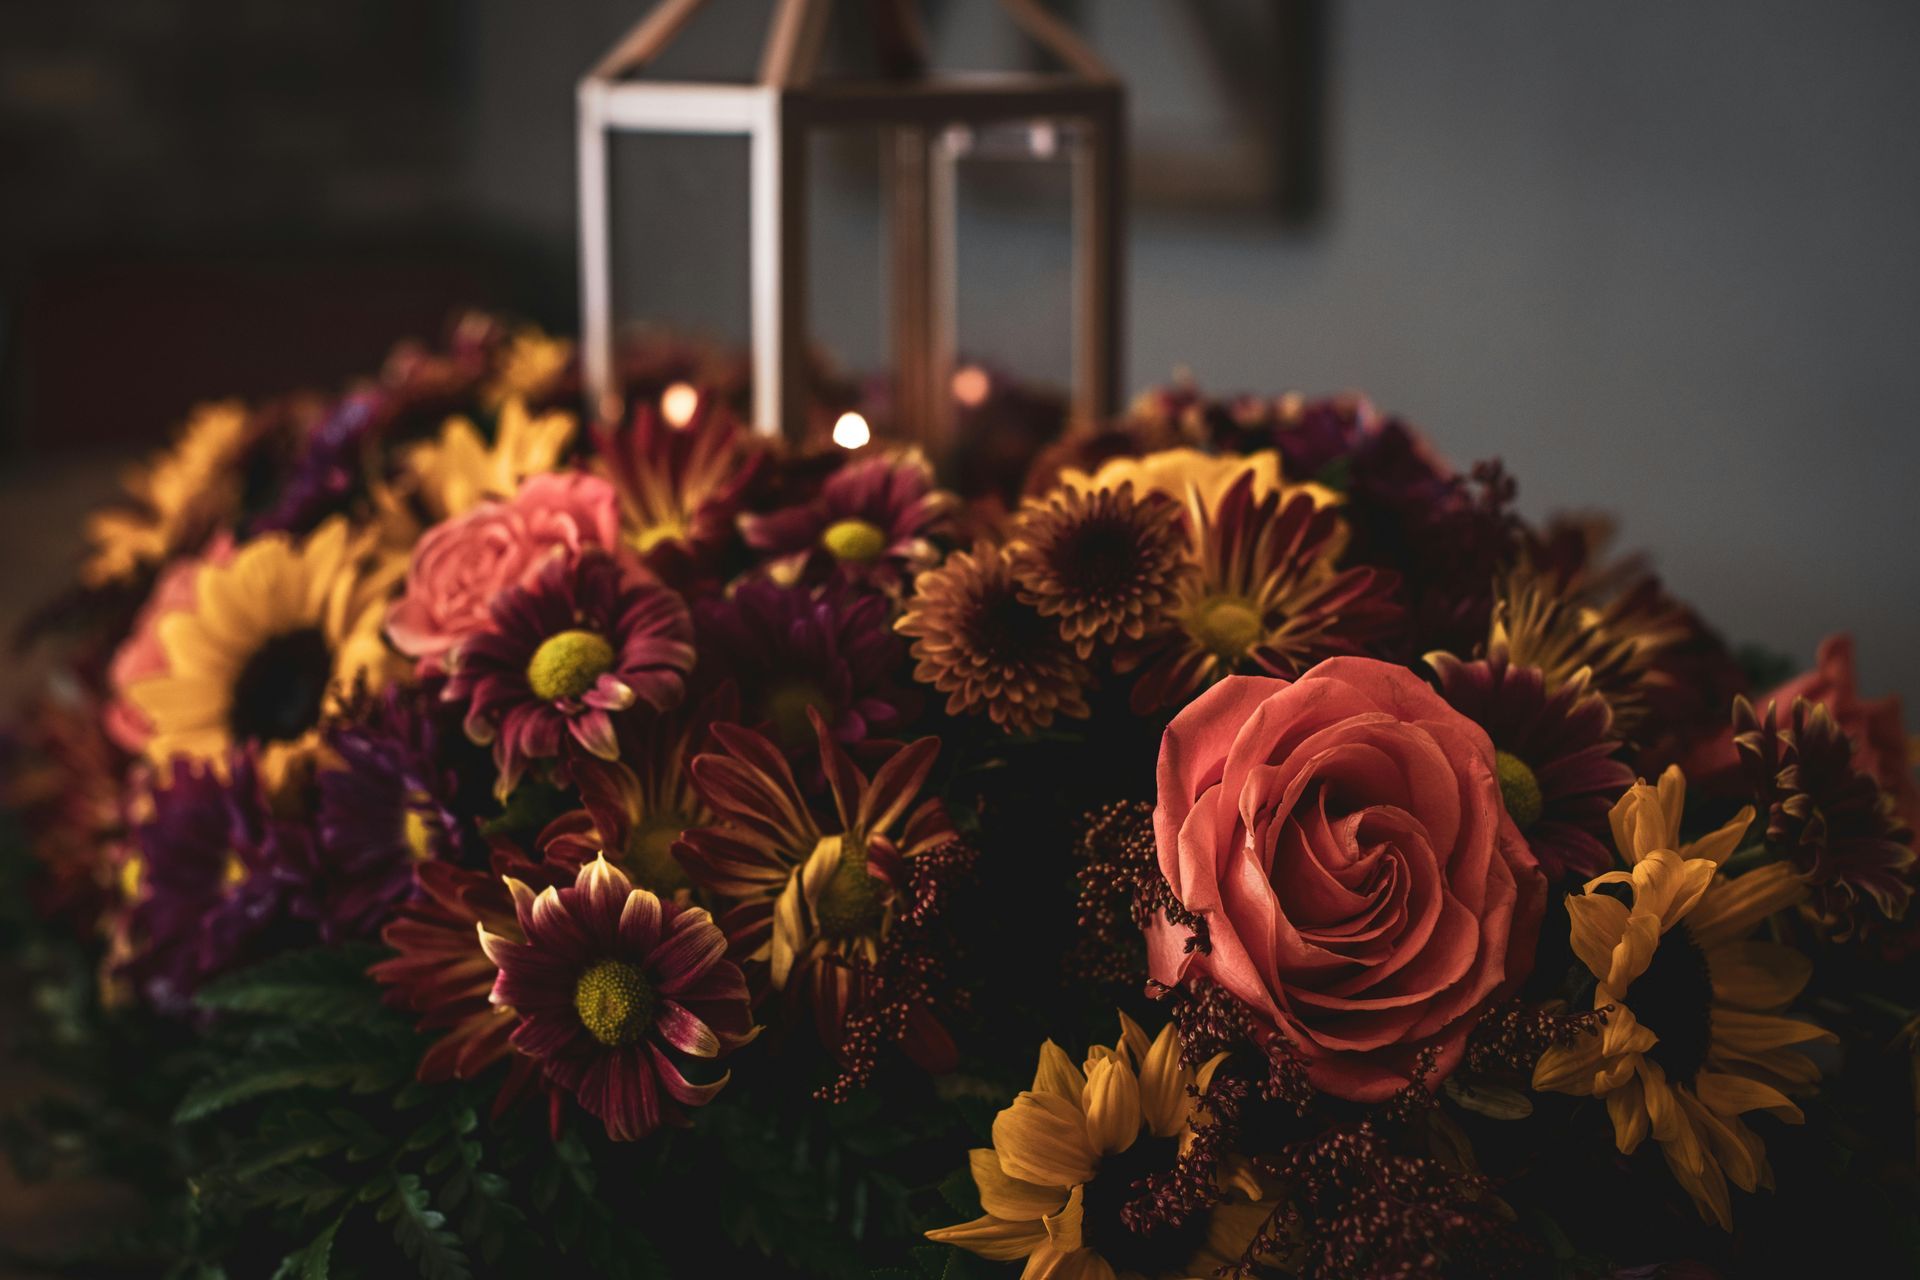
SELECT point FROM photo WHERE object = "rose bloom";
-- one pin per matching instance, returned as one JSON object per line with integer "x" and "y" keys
{"x": 460, "y": 565}
{"x": 1366, "y": 895}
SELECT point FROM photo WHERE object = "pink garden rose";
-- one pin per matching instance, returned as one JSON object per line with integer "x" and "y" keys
{"x": 1365, "y": 893}
{"x": 460, "y": 565}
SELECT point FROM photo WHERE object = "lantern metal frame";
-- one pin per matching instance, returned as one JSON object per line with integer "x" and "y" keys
{"x": 927, "y": 123}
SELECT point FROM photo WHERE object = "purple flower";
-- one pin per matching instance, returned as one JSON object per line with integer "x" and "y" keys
{"x": 831, "y": 648}
{"x": 872, "y": 520}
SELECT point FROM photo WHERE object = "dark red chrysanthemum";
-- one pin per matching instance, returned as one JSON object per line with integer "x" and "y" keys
{"x": 1555, "y": 755}
{"x": 560, "y": 655}
{"x": 1842, "y": 831}
{"x": 612, "y": 987}
{"x": 873, "y": 520}
{"x": 790, "y": 649}
{"x": 680, "y": 484}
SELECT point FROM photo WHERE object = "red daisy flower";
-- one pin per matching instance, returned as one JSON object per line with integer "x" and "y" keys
{"x": 1555, "y": 754}
{"x": 611, "y": 978}
{"x": 679, "y": 485}
{"x": 816, "y": 904}
{"x": 561, "y": 654}
{"x": 873, "y": 519}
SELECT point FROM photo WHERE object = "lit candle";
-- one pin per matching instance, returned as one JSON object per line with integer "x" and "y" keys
{"x": 851, "y": 431}
{"x": 677, "y": 404}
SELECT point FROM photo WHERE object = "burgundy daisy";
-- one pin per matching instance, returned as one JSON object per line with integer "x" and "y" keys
{"x": 561, "y": 654}
{"x": 1554, "y": 752}
{"x": 872, "y": 520}
{"x": 611, "y": 986}
{"x": 831, "y": 648}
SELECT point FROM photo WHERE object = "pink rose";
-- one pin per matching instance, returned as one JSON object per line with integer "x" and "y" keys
{"x": 140, "y": 655}
{"x": 1365, "y": 893}
{"x": 1881, "y": 749}
{"x": 460, "y": 565}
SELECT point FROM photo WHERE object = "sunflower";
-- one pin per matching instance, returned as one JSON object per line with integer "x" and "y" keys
{"x": 1266, "y": 598}
{"x": 814, "y": 903}
{"x": 979, "y": 644}
{"x": 529, "y": 365}
{"x": 1554, "y": 753}
{"x": 1066, "y": 1158}
{"x": 679, "y": 486}
{"x": 611, "y": 987}
{"x": 1692, "y": 1039}
{"x": 562, "y": 654}
{"x": 1108, "y": 565}
{"x": 175, "y": 501}
{"x": 275, "y": 639}
{"x": 1186, "y": 475}
{"x": 453, "y": 474}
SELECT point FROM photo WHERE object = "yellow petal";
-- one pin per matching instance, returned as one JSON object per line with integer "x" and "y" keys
{"x": 1627, "y": 1107}
{"x": 1133, "y": 1040}
{"x": 1568, "y": 1068}
{"x": 1063, "y": 1228}
{"x": 1734, "y": 906}
{"x": 991, "y": 1238}
{"x": 1757, "y": 975}
{"x": 1597, "y": 922}
{"x": 1732, "y": 1095}
{"x": 1718, "y": 845}
{"x": 1113, "y": 1106}
{"x": 1759, "y": 1032}
{"x": 1008, "y": 1197}
{"x": 1057, "y": 1074}
{"x": 1042, "y": 1138}
{"x": 1163, "y": 1091}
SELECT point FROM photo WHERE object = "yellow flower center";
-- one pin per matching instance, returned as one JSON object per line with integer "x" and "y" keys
{"x": 650, "y": 854}
{"x": 567, "y": 664}
{"x": 132, "y": 872}
{"x": 668, "y": 530}
{"x": 614, "y": 1001}
{"x": 787, "y": 712}
{"x": 1228, "y": 626}
{"x": 234, "y": 872}
{"x": 856, "y": 540}
{"x": 850, "y": 904}
{"x": 1519, "y": 788}
{"x": 417, "y": 835}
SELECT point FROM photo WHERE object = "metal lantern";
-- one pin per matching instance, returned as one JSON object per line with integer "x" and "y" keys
{"x": 927, "y": 122}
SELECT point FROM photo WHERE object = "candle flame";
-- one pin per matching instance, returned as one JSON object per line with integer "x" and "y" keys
{"x": 851, "y": 431}
{"x": 677, "y": 404}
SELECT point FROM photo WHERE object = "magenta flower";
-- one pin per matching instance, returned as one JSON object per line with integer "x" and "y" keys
{"x": 561, "y": 654}
{"x": 873, "y": 520}
{"x": 611, "y": 985}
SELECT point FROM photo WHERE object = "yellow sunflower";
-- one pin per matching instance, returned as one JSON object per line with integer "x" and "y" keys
{"x": 1693, "y": 1039}
{"x": 275, "y": 638}
{"x": 1067, "y": 1153}
{"x": 174, "y": 501}
{"x": 530, "y": 365}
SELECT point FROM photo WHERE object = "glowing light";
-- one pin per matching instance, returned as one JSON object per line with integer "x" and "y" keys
{"x": 677, "y": 404}
{"x": 851, "y": 431}
{"x": 971, "y": 385}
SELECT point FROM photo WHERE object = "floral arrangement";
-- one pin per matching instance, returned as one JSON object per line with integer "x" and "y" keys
{"x": 470, "y": 840}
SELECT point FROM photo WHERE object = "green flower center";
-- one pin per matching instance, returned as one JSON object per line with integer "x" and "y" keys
{"x": 857, "y": 540}
{"x": 650, "y": 854}
{"x": 567, "y": 664}
{"x": 787, "y": 708}
{"x": 614, "y": 1002}
{"x": 1519, "y": 788}
{"x": 1228, "y": 626}
{"x": 850, "y": 904}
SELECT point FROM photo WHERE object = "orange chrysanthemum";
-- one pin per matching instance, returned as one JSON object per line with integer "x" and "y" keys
{"x": 978, "y": 643}
{"x": 1107, "y": 563}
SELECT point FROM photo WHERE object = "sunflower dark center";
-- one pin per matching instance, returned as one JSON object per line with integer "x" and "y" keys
{"x": 1113, "y": 1186}
{"x": 1519, "y": 788}
{"x": 1099, "y": 558}
{"x": 1674, "y": 1000}
{"x": 278, "y": 694}
{"x": 850, "y": 904}
{"x": 567, "y": 664}
{"x": 614, "y": 1001}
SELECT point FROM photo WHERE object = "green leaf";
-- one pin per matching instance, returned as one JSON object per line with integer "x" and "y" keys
{"x": 321, "y": 985}
{"x": 311, "y": 1262}
{"x": 422, "y": 1231}
{"x": 357, "y": 1058}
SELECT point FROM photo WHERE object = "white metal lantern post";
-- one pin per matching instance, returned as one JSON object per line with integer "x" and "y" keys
{"x": 927, "y": 123}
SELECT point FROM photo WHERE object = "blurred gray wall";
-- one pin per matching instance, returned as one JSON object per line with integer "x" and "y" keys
{"x": 1662, "y": 258}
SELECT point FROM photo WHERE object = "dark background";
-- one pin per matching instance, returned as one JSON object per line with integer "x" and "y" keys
{"x": 1662, "y": 258}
